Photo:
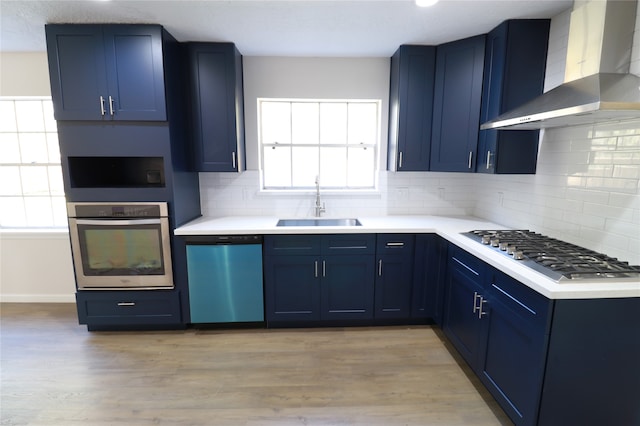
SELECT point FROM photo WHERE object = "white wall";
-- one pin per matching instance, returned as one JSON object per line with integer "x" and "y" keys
{"x": 36, "y": 267}
{"x": 24, "y": 74}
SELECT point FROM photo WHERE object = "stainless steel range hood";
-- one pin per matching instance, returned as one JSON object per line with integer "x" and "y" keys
{"x": 598, "y": 86}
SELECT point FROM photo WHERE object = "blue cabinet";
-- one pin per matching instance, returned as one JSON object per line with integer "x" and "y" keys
{"x": 514, "y": 69}
{"x": 514, "y": 349}
{"x": 217, "y": 107}
{"x": 410, "y": 108}
{"x": 107, "y": 72}
{"x": 109, "y": 310}
{"x": 292, "y": 288}
{"x": 429, "y": 267}
{"x": 319, "y": 277}
{"x": 546, "y": 362}
{"x": 394, "y": 275}
{"x": 466, "y": 309}
{"x": 456, "y": 105}
{"x": 500, "y": 327}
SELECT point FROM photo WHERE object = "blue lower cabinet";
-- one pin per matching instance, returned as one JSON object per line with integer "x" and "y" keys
{"x": 347, "y": 287}
{"x": 394, "y": 275}
{"x": 225, "y": 283}
{"x": 514, "y": 351}
{"x": 319, "y": 277}
{"x": 292, "y": 288}
{"x": 128, "y": 309}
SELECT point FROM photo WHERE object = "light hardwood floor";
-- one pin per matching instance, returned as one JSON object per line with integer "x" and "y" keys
{"x": 54, "y": 372}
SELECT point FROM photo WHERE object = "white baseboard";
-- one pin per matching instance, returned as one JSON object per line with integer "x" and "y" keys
{"x": 37, "y": 298}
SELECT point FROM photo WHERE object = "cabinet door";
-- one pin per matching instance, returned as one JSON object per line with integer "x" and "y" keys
{"x": 77, "y": 71}
{"x": 456, "y": 112}
{"x": 394, "y": 275}
{"x": 411, "y": 106}
{"x": 393, "y": 286}
{"x": 463, "y": 324}
{"x": 292, "y": 288}
{"x": 515, "y": 63}
{"x": 347, "y": 287}
{"x": 428, "y": 277}
{"x": 513, "y": 360}
{"x": 135, "y": 72}
{"x": 217, "y": 106}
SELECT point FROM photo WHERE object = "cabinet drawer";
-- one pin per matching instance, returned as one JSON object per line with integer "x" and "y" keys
{"x": 520, "y": 299}
{"x": 128, "y": 307}
{"x": 348, "y": 244}
{"x": 458, "y": 258}
{"x": 395, "y": 244}
{"x": 292, "y": 245}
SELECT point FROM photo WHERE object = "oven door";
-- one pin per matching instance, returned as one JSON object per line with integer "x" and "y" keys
{"x": 125, "y": 254}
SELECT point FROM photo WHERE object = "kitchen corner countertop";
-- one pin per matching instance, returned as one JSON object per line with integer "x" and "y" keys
{"x": 450, "y": 228}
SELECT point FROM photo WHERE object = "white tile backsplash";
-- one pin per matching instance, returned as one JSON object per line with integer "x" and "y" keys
{"x": 580, "y": 193}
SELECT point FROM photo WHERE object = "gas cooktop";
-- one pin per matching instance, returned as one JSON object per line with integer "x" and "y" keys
{"x": 559, "y": 260}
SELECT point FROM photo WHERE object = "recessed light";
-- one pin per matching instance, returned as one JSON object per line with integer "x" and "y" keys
{"x": 426, "y": 3}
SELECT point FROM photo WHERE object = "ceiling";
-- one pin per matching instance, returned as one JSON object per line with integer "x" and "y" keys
{"x": 343, "y": 28}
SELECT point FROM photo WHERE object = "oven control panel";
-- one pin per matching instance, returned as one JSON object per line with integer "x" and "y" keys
{"x": 117, "y": 210}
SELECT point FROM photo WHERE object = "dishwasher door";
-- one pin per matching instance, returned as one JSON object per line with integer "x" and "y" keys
{"x": 225, "y": 280}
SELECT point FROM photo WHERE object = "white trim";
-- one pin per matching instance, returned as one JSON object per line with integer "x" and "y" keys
{"x": 37, "y": 298}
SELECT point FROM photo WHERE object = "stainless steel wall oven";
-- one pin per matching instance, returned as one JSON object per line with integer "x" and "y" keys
{"x": 121, "y": 245}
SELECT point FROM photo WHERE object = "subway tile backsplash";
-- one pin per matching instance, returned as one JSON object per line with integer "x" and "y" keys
{"x": 586, "y": 191}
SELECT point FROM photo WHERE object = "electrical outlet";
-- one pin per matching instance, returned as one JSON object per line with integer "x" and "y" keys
{"x": 403, "y": 193}
{"x": 500, "y": 198}
{"x": 441, "y": 193}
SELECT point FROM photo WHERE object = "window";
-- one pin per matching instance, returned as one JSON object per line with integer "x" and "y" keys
{"x": 31, "y": 188}
{"x": 334, "y": 139}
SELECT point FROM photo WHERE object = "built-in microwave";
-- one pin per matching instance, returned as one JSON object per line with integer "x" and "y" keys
{"x": 120, "y": 245}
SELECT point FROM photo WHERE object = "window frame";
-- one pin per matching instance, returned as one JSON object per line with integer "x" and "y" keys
{"x": 54, "y": 197}
{"x": 376, "y": 146}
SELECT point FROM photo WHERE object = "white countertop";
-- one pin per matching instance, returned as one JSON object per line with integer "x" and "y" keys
{"x": 449, "y": 228}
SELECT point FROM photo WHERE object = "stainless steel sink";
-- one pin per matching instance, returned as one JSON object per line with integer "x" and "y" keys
{"x": 319, "y": 222}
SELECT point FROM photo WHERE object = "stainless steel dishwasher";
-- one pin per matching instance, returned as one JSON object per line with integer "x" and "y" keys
{"x": 225, "y": 279}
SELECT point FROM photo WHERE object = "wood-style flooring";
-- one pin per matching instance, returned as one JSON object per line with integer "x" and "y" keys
{"x": 55, "y": 372}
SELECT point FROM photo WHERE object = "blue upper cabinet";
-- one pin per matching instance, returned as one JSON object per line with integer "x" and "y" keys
{"x": 456, "y": 105}
{"x": 410, "y": 108}
{"x": 515, "y": 62}
{"x": 217, "y": 109}
{"x": 107, "y": 72}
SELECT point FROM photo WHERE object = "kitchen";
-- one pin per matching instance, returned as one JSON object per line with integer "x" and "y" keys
{"x": 581, "y": 192}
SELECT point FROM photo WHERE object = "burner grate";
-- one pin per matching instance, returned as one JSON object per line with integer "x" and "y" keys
{"x": 555, "y": 258}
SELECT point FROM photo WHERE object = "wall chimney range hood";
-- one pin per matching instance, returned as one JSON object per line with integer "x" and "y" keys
{"x": 598, "y": 86}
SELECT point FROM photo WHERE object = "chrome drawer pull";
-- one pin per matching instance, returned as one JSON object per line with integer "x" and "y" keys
{"x": 126, "y": 303}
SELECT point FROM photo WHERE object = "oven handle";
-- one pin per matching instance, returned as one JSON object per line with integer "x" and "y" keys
{"x": 119, "y": 222}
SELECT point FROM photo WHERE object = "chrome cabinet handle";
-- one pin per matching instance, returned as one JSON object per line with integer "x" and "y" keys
{"x": 395, "y": 244}
{"x": 127, "y": 304}
{"x": 470, "y": 157}
{"x": 400, "y": 161}
{"x": 380, "y": 267}
{"x": 316, "y": 268}
{"x": 481, "y": 312}
{"x": 102, "y": 111}
{"x": 488, "y": 160}
{"x": 324, "y": 269}
{"x": 110, "y": 105}
{"x": 233, "y": 160}
{"x": 475, "y": 299}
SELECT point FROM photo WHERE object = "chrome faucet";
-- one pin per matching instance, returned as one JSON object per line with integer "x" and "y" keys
{"x": 319, "y": 206}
